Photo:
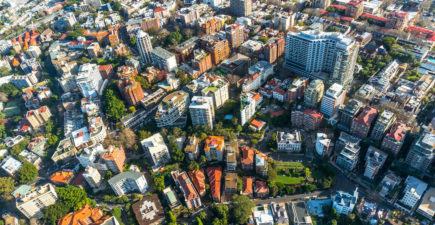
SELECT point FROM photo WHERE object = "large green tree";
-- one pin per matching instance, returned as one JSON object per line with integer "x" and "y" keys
{"x": 112, "y": 105}
{"x": 73, "y": 197}
{"x": 241, "y": 207}
{"x": 27, "y": 173}
{"x": 53, "y": 212}
{"x": 7, "y": 185}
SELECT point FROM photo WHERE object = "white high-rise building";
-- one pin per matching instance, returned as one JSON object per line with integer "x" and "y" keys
{"x": 163, "y": 59}
{"x": 89, "y": 80}
{"x": 202, "y": 111}
{"x": 92, "y": 176}
{"x": 247, "y": 107}
{"x": 34, "y": 202}
{"x": 328, "y": 56}
{"x": 413, "y": 191}
{"x": 156, "y": 149}
{"x": 144, "y": 46}
{"x": 332, "y": 100}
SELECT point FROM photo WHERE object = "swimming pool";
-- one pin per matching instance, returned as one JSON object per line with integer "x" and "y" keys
{"x": 431, "y": 60}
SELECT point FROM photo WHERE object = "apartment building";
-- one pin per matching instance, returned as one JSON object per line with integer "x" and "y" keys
{"x": 183, "y": 182}
{"x": 214, "y": 148}
{"x": 332, "y": 100}
{"x": 363, "y": 122}
{"x": 422, "y": 153}
{"x": 344, "y": 202}
{"x": 131, "y": 90}
{"x": 354, "y": 8}
{"x": 163, "y": 59}
{"x": 348, "y": 157}
{"x": 348, "y": 113}
{"x": 144, "y": 47}
{"x": 35, "y": 201}
{"x": 202, "y": 111}
{"x": 128, "y": 182}
{"x": 156, "y": 149}
{"x": 314, "y": 93}
{"x": 235, "y": 33}
{"x": 240, "y": 8}
{"x": 38, "y": 117}
{"x": 172, "y": 110}
{"x": 247, "y": 107}
{"x": 398, "y": 20}
{"x": 393, "y": 140}
{"x": 89, "y": 80}
{"x": 218, "y": 90}
{"x": 114, "y": 158}
{"x": 413, "y": 192}
{"x": 192, "y": 147}
{"x": 384, "y": 122}
{"x": 375, "y": 159}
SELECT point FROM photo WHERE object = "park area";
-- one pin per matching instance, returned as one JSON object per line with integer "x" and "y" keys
{"x": 291, "y": 173}
{"x": 13, "y": 108}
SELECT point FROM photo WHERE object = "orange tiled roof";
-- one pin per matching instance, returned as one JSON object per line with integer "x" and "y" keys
{"x": 257, "y": 123}
{"x": 247, "y": 185}
{"x": 215, "y": 176}
{"x": 248, "y": 155}
{"x": 261, "y": 187}
{"x": 198, "y": 179}
{"x": 83, "y": 216}
{"x": 62, "y": 176}
{"x": 214, "y": 142}
{"x": 367, "y": 116}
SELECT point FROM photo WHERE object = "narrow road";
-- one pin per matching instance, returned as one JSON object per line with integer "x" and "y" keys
{"x": 292, "y": 197}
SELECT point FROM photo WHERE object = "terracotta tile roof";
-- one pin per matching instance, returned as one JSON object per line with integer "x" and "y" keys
{"x": 248, "y": 155}
{"x": 313, "y": 113}
{"x": 277, "y": 113}
{"x": 257, "y": 123}
{"x": 198, "y": 179}
{"x": 62, "y": 177}
{"x": 83, "y": 216}
{"x": 214, "y": 176}
{"x": 257, "y": 96}
{"x": 354, "y": 2}
{"x": 398, "y": 132}
{"x": 338, "y": 7}
{"x": 247, "y": 185}
{"x": 367, "y": 116}
{"x": 371, "y": 16}
{"x": 261, "y": 187}
{"x": 214, "y": 142}
{"x": 279, "y": 91}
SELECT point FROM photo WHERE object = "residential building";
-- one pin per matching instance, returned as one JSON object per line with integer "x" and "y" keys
{"x": 127, "y": 182}
{"x": 149, "y": 210}
{"x": 354, "y": 8}
{"x": 192, "y": 147}
{"x": 322, "y": 4}
{"x": 30, "y": 157}
{"x": 363, "y": 122}
{"x": 219, "y": 91}
{"x": 375, "y": 159}
{"x": 191, "y": 197}
{"x": 261, "y": 189}
{"x": 238, "y": 64}
{"x": 201, "y": 61}
{"x": 89, "y": 80}
{"x": 348, "y": 157}
{"x": 384, "y": 122}
{"x": 299, "y": 214}
{"x": 289, "y": 141}
{"x": 247, "y": 186}
{"x": 171, "y": 198}
{"x": 323, "y": 143}
{"x": 198, "y": 179}
{"x": 114, "y": 158}
{"x": 265, "y": 69}
{"x": 65, "y": 150}
{"x": 344, "y": 202}
{"x": 247, "y": 158}
{"x": 35, "y": 201}
{"x": 202, "y": 111}
{"x": 348, "y": 113}
{"x": 214, "y": 148}
{"x": 10, "y": 165}
{"x": 144, "y": 47}
{"x": 257, "y": 125}
{"x": 346, "y": 139}
{"x": 314, "y": 93}
{"x": 261, "y": 164}
{"x": 312, "y": 119}
{"x": 235, "y": 33}
{"x": 413, "y": 191}
{"x": 131, "y": 90}
{"x": 93, "y": 177}
{"x": 327, "y": 56}
{"x": 85, "y": 215}
{"x": 230, "y": 184}
{"x": 92, "y": 157}
{"x": 34, "y": 51}
{"x": 218, "y": 48}
{"x": 172, "y": 110}
{"x": 231, "y": 156}
{"x": 398, "y": 20}
{"x": 388, "y": 184}
{"x": 250, "y": 82}
{"x": 38, "y": 117}
{"x": 240, "y": 8}
{"x": 247, "y": 107}
{"x": 94, "y": 50}
{"x": 215, "y": 176}
{"x": 163, "y": 59}
{"x": 332, "y": 100}
{"x": 394, "y": 139}
{"x": 270, "y": 52}
{"x": 283, "y": 21}
{"x": 427, "y": 205}
{"x": 422, "y": 153}
{"x": 23, "y": 81}
{"x": 263, "y": 214}
{"x": 156, "y": 149}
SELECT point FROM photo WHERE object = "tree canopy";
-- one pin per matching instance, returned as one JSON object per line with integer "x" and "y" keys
{"x": 27, "y": 173}
{"x": 113, "y": 106}
{"x": 241, "y": 207}
{"x": 7, "y": 185}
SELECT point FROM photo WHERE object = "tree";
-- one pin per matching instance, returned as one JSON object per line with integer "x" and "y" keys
{"x": 199, "y": 221}
{"x": 241, "y": 208}
{"x": 53, "y": 212}
{"x": 2, "y": 131}
{"x": 113, "y": 106}
{"x": 10, "y": 90}
{"x": 7, "y": 185}
{"x": 4, "y": 71}
{"x": 159, "y": 182}
{"x": 174, "y": 38}
{"x": 193, "y": 165}
{"x": 132, "y": 41}
{"x": 128, "y": 138}
{"x": 143, "y": 134}
{"x": 142, "y": 81}
{"x": 74, "y": 198}
{"x": 27, "y": 173}
{"x": 388, "y": 42}
{"x": 131, "y": 109}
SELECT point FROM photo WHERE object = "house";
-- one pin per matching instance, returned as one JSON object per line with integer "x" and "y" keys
{"x": 257, "y": 125}
{"x": 10, "y": 165}
{"x": 192, "y": 147}
{"x": 261, "y": 189}
{"x": 231, "y": 183}
{"x": 280, "y": 213}
{"x": 214, "y": 148}
{"x": 263, "y": 214}
{"x": 214, "y": 176}
{"x": 247, "y": 188}
{"x": 149, "y": 210}
{"x": 248, "y": 158}
{"x": 261, "y": 164}
{"x": 171, "y": 198}
{"x": 127, "y": 182}
{"x": 62, "y": 177}
{"x": 231, "y": 156}
{"x": 191, "y": 197}
{"x": 85, "y": 215}
{"x": 198, "y": 179}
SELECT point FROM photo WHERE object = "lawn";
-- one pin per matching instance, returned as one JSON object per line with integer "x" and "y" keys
{"x": 289, "y": 180}
{"x": 12, "y": 108}
{"x": 289, "y": 164}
